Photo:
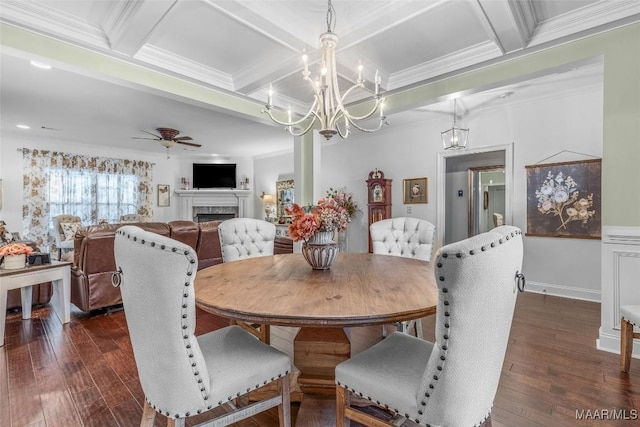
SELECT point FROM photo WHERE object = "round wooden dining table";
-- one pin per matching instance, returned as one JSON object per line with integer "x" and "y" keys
{"x": 359, "y": 289}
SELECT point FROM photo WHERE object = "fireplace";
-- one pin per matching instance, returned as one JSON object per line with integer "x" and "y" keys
{"x": 214, "y": 204}
{"x": 213, "y": 217}
{"x": 213, "y": 213}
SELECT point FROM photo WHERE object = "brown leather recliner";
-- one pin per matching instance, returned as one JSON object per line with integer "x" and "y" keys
{"x": 94, "y": 263}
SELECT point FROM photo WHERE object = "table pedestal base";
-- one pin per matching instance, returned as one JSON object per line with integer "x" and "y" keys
{"x": 316, "y": 353}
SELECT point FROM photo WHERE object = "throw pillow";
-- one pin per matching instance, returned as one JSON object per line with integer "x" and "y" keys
{"x": 69, "y": 229}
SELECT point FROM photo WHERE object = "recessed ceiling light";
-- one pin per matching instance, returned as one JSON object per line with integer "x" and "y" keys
{"x": 23, "y": 126}
{"x": 41, "y": 65}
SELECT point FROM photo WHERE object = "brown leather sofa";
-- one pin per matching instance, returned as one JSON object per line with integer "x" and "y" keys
{"x": 94, "y": 261}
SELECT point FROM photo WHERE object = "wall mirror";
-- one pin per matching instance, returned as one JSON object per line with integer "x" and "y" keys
{"x": 284, "y": 198}
{"x": 487, "y": 198}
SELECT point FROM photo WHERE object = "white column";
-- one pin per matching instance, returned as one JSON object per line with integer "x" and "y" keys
{"x": 620, "y": 283}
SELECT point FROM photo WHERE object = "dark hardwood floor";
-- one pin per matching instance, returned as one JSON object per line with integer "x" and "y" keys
{"x": 83, "y": 373}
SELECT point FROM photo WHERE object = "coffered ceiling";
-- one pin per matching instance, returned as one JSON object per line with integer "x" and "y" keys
{"x": 240, "y": 47}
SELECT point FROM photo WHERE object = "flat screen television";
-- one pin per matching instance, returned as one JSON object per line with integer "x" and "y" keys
{"x": 214, "y": 175}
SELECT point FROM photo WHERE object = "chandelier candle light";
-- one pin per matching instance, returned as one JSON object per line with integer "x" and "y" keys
{"x": 328, "y": 105}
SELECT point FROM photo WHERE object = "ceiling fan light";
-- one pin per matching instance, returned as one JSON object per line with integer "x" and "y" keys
{"x": 168, "y": 143}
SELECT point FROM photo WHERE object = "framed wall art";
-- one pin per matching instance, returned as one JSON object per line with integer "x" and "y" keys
{"x": 163, "y": 195}
{"x": 415, "y": 190}
{"x": 563, "y": 199}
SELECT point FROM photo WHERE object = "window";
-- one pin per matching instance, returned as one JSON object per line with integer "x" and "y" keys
{"x": 93, "y": 188}
{"x": 92, "y": 196}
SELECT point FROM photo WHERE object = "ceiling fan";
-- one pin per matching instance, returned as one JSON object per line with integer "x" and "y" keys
{"x": 169, "y": 137}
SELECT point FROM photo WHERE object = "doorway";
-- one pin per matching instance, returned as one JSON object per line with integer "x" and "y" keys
{"x": 486, "y": 198}
{"x": 463, "y": 178}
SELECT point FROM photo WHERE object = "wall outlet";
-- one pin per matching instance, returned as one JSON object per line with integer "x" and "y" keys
{"x": 460, "y": 193}
{"x": 408, "y": 209}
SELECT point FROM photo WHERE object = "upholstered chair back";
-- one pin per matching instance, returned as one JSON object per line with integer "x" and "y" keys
{"x": 62, "y": 223}
{"x": 477, "y": 282}
{"x": 157, "y": 275}
{"x": 242, "y": 238}
{"x": 498, "y": 219}
{"x": 130, "y": 218}
{"x": 405, "y": 237}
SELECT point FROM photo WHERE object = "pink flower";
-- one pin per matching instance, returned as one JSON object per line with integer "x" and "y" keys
{"x": 15, "y": 249}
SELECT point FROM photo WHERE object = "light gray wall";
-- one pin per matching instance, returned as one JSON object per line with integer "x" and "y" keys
{"x": 538, "y": 129}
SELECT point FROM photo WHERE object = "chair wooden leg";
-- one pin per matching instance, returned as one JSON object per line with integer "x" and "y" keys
{"x": 265, "y": 334}
{"x": 626, "y": 344}
{"x": 148, "y": 415}
{"x": 284, "y": 410}
{"x": 419, "y": 328}
{"x": 342, "y": 401}
{"x": 172, "y": 422}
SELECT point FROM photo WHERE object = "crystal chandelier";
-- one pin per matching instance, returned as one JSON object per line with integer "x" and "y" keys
{"x": 456, "y": 137}
{"x": 328, "y": 108}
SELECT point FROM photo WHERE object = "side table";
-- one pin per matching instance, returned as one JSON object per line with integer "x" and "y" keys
{"x": 59, "y": 273}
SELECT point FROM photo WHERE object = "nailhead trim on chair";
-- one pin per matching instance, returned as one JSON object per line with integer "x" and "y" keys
{"x": 445, "y": 337}
{"x": 186, "y": 338}
{"x": 184, "y": 317}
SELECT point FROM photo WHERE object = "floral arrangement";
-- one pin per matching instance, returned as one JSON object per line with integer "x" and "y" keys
{"x": 344, "y": 200}
{"x": 558, "y": 196}
{"x": 15, "y": 249}
{"x": 327, "y": 215}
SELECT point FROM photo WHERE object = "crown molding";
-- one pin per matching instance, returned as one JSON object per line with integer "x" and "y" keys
{"x": 44, "y": 19}
{"x": 179, "y": 65}
{"x": 458, "y": 60}
{"x": 589, "y": 17}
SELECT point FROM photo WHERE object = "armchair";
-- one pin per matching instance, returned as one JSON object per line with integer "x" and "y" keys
{"x": 65, "y": 227}
{"x": 183, "y": 375}
{"x": 404, "y": 237}
{"x": 453, "y": 381}
{"x": 130, "y": 218}
{"x": 242, "y": 238}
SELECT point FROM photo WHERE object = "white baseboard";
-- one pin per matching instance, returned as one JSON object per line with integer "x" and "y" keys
{"x": 611, "y": 343}
{"x": 563, "y": 291}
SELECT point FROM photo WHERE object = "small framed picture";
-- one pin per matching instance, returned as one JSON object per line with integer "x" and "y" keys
{"x": 415, "y": 190}
{"x": 163, "y": 195}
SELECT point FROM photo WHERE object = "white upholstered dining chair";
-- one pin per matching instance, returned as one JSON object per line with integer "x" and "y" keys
{"x": 453, "y": 381}
{"x": 242, "y": 238}
{"x": 65, "y": 227}
{"x": 404, "y": 237}
{"x": 182, "y": 374}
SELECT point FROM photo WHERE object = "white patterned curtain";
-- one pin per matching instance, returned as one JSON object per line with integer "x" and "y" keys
{"x": 93, "y": 188}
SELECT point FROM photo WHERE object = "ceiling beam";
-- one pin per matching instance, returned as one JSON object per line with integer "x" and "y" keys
{"x": 127, "y": 73}
{"x": 128, "y": 25}
{"x": 509, "y": 24}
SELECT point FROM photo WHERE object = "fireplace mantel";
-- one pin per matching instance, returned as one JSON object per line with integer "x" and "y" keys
{"x": 218, "y": 197}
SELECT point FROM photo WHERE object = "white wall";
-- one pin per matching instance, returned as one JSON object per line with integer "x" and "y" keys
{"x": 166, "y": 171}
{"x": 538, "y": 128}
{"x": 266, "y": 171}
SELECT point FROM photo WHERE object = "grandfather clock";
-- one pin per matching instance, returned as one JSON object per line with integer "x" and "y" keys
{"x": 379, "y": 190}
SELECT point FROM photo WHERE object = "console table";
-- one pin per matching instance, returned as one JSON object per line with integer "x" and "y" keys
{"x": 23, "y": 278}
